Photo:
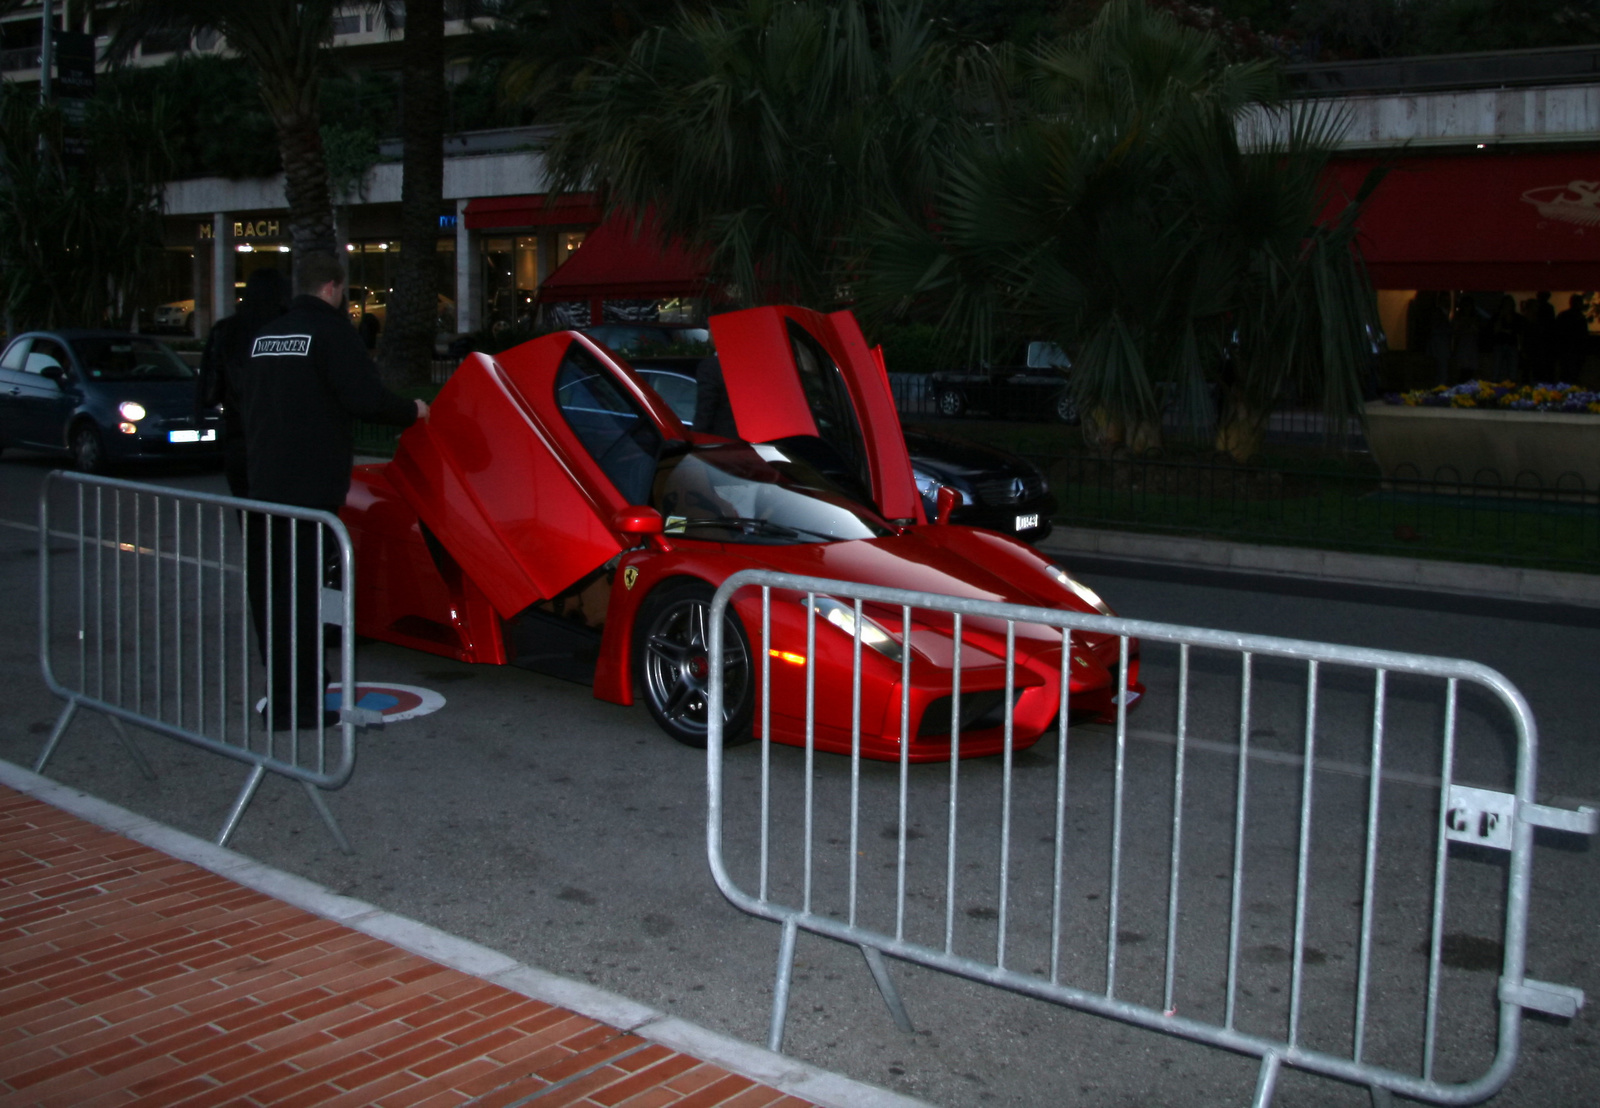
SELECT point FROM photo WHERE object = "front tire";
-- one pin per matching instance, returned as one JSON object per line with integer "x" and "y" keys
{"x": 951, "y": 403}
{"x": 670, "y": 663}
{"x": 1066, "y": 408}
{"x": 88, "y": 451}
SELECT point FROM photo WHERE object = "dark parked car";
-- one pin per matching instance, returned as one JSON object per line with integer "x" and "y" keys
{"x": 999, "y": 491}
{"x": 105, "y": 396}
{"x": 1037, "y": 390}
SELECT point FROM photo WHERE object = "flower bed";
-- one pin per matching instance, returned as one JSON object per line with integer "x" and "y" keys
{"x": 1501, "y": 396}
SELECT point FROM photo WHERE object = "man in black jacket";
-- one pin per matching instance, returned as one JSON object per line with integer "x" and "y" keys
{"x": 266, "y": 297}
{"x": 308, "y": 379}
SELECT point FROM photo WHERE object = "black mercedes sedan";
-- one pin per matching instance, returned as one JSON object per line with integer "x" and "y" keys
{"x": 105, "y": 397}
{"x": 999, "y": 491}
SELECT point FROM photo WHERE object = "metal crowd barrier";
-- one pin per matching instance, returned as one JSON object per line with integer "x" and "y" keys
{"x": 145, "y": 618}
{"x": 1288, "y": 880}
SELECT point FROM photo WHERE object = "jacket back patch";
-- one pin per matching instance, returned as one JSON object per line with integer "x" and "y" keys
{"x": 270, "y": 345}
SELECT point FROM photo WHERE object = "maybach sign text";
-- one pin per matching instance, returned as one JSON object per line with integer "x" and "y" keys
{"x": 261, "y": 229}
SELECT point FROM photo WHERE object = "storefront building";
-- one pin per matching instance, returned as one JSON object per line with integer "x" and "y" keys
{"x": 1491, "y": 185}
{"x": 502, "y": 242}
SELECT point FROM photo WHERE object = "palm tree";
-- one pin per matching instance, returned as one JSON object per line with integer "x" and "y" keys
{"x": 282, "y": 42}
{"x": 764, "y": 131}
{"x": 540, "y": 49}
{"x": 1300, "y": 310}
{"x": 411, "y": 319}
{"x": 75, "y": 239}
{"x": 1112, "y": 209}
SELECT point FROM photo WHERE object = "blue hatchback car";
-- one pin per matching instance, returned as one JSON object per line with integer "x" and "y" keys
{"x": 105, "y": 396}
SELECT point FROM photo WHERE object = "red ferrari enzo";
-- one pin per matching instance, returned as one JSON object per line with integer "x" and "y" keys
{"x": 554, "y": 513}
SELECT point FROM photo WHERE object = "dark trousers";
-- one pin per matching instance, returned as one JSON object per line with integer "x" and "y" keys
{"x": 284, "y": 570}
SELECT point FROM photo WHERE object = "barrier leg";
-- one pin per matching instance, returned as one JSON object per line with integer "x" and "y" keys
{"x": 1381, "y": 1097}
{"x": 327, "y": 816}
{"x": 132, "y": 748}
{"x": 55, "y": 735}
{"x": 240, "y": 803}
{"x": 1267, "y": 1081}
{"x": 780, "y": 991}
{"x": 891, "y": 996}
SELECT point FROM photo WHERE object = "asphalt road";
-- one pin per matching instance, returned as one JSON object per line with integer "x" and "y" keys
{"x": 569, "y": 833}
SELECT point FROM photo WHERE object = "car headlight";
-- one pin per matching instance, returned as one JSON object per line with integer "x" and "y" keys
{"x": 1079, "y": 589}
{"x": 928, "y": 487}
{"x": 131, "y": 410}
{"x": 873, "y": 633}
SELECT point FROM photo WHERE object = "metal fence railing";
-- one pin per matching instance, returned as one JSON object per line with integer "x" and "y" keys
{"x": 1287, "y": 898}
{"x": 1518, "y": 522}
{"x": 916, "y": 398}
{"x": 145, "y": 617}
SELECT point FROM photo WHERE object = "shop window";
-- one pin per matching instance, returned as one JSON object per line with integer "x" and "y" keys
{"x": 567, "y": 242}
{"x": 567, "y": 315}
{"x": 511, "y": 276}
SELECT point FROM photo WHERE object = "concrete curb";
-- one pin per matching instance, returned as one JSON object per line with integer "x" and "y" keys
{"x": 787, "y": 1075}
{"x": 1457, "y": 578}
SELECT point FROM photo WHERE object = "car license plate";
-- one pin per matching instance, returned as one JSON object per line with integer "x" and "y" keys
{"x": 1027, "y": 522}
{"x": 192, "y": 436}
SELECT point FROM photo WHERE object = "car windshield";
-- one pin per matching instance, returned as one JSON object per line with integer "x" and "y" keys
{"x": 737, "y": 492}
{"x": 131, "y": 359}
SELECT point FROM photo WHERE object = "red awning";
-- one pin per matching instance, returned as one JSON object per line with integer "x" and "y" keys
{"x": 487, "y": 213}
{"x": 614, "y": 263}
{"x": 1481, "y": 221}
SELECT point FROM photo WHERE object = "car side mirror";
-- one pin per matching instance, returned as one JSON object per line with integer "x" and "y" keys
{"x": 54, "y": 373}
{"x": 637, "y": 522}
{"x": 947, "y": 500}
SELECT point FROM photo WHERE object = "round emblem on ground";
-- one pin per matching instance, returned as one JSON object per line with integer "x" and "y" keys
{"x": 395, "y": 702}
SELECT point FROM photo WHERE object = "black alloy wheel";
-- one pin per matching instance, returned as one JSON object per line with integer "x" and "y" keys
{"x": 671, "y": 641}
{"x": 88, "y": 452}
{"x": 951, "y": 403}
{"x": 1066, "y": 407}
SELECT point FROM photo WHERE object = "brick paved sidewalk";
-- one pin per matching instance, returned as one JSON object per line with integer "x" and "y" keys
{"x": 130, "y": 977}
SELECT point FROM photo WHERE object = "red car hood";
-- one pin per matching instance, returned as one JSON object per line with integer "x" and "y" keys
{"x": 951, "y": 561}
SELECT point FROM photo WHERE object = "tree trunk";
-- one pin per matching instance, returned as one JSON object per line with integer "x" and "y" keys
{"x": 405, "y": 350}
{"x": 305, "y": 187}
{"x": 1106, "y": 434}
{"x": 1241, "y": 428}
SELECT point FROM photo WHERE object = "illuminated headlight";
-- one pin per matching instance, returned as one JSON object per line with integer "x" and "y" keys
{"x": 131, "y": 410}
{"x": 843, "y": 616}
{"x": 928, "y": 487}
{"x": 1078, "y": 589}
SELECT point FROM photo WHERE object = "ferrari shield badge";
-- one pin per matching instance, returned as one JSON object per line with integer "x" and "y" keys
{"x": 629, "y": 576}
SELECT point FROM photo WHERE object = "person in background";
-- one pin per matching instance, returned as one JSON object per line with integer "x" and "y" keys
{"x": 1505, "y": 337}
{"x": 1539, "y": 342}
{"x": 1464, "y": 338}
{"x": 307, "y": 381}
{"x": 1436, "y": 327}
{"x": 1571, "y": 339}
{"x": 266, "y": 297}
